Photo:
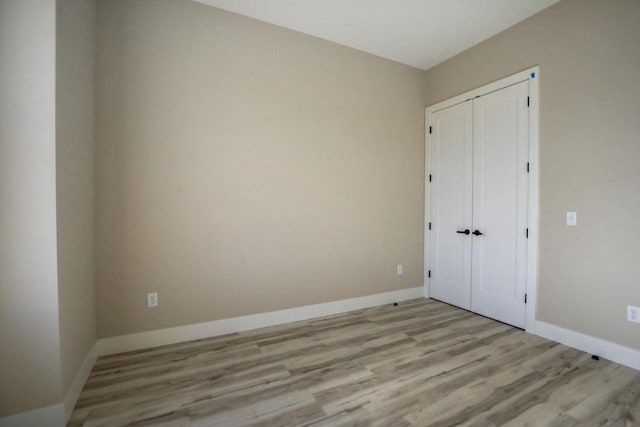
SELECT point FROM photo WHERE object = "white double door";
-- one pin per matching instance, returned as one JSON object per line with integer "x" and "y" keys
{"x": 478, "y": 205}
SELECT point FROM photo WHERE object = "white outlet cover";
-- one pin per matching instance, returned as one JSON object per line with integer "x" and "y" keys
{"x": 152, "y": 299}
{"x": 572, "y": 218}
{"x": 400, "y": 270}
{"x": 633, "y": 314}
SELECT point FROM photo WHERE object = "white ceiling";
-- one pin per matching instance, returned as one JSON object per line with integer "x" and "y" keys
{"x": 421, "y": 33}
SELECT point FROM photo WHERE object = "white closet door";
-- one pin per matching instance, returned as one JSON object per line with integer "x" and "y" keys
{"x": 500, "y": 186}
{"x": 451, "y": 155}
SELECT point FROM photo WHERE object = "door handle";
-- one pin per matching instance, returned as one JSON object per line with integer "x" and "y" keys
{"x": 477, "y": 233}
{"x": 463, "y": 232}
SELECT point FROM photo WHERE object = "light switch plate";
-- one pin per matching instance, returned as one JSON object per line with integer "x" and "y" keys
{"x": 572, "y": 218}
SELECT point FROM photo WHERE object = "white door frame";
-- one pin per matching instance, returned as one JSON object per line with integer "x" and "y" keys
{"x": 533, "y": 76}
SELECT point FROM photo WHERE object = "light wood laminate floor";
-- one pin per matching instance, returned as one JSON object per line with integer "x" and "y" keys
{"x": 421, "y": 363}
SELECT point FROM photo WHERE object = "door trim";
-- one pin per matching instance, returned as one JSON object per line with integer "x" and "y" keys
{"x": 533, "y": 76}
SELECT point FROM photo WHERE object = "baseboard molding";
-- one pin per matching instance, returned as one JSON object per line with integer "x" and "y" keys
{"x": 615, "y": 352}
{"x": 48, "y": 416}
{"x": 78, "y": 382}
{"x": 155, "y": 338}
{"x": 56, "y": 415}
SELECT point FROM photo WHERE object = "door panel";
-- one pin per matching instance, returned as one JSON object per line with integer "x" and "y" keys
{"x": 500, "y": 197}
{"x": 451, "y": 199}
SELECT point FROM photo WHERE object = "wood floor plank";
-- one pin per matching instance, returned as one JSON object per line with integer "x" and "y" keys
{"x": 430, "y": 383}
{"x": 420, "y": 363}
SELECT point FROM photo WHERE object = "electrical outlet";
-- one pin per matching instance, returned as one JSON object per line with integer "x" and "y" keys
{"x": 152, "y": 299}
{"x": 572, "y": 218}
{"x": 633, "y": 314}
{"x": 399, "y": 270}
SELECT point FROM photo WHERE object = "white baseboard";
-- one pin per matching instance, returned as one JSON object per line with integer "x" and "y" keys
{"x": 48, "y": 416}
{"x": 78, "y": 382}
{"x": 615, "y": 352}
{"x": 155, "y": 338}
{"x": 55, "y": 415}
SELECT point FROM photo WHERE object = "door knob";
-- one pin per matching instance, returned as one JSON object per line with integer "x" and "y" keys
{"x": 463, "y": 232}
{"x": 477, "y": 233}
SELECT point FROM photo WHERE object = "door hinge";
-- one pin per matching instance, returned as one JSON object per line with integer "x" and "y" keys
{"x": 527, "y": 167}
{"x": 525, "y": 298}
{"x": 527, "y": 233}
{"x": 429, "y": 226}
{"x": 528, "y": 102}
{"x": 429, "y": 177}
{"x": 429, "y": 273}
{"x": 430, "y": 129}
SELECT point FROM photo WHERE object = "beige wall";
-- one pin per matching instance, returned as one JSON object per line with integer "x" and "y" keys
{"x": 29, "y": 349}
{"x": 243, "y": 167}
{"x": 590, "y": 153}
{"x": 75, "y": 58}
